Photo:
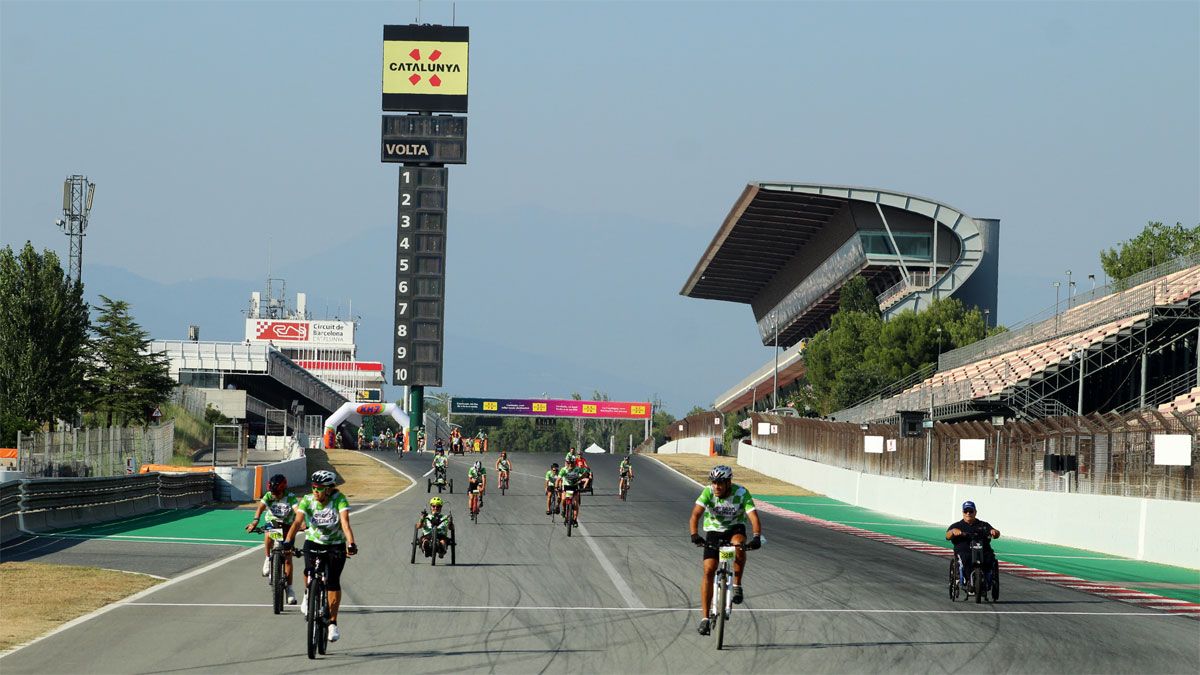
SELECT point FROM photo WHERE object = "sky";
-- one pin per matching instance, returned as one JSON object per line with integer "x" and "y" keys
{"x": 608, "y": 141}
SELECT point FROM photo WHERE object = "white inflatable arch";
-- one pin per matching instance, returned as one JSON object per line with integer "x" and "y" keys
{"x": 362, "y": 410}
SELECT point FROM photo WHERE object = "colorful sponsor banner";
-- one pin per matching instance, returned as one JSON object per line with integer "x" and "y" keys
{"x": 298, "y": 333}
{"x": 535, "y": 407}
{"x": 368, "y": 366}
{"x": 425, "y": 68}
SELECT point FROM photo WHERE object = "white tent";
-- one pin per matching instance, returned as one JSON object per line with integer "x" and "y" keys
{"x": 595, "y": 449}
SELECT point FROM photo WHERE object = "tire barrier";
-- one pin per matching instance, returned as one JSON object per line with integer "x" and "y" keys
{"x": 45, "y": 504}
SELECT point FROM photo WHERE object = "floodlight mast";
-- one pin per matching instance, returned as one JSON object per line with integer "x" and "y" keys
{"x": 78, "y": 194}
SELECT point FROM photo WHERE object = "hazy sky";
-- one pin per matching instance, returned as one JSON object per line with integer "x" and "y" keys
{"x": 218, "y": 130}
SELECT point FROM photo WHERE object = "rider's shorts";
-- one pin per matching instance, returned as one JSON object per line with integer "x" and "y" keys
{"x": 337, "y": 560}
{"x": 718, "y": 539}
{"x": 472, "y": 486}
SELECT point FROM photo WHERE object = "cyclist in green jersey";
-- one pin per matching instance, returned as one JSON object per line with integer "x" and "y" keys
{"x": 279, "y": 505}
{"x": 434, "y": 523}
{"x": 571, "y": 457}
{"x": 551, "y": 483}
{"x": 439, "y": 464}
{"x": 625, "y": 472}
{"x": 503, "y": 466}
{"x": 324, "y": 515}
{"x": 569, "y": 478}
{"x": 476, "y": 484}
{"x": 726, "y": 509}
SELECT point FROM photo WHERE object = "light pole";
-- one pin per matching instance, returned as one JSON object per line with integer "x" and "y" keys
{"x": 1070, "y": 285}
{"x": 775, "y": 385}
{"x": 986, "y": 320}
{"x": 1092, "y": 278}
{"x": 1056, "y": 285}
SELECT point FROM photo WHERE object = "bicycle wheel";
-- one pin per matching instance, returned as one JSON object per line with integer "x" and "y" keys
{"x": 954, "y": 590}
{"x": 323, "y": 623}
{"x": 415, "y": 541}
{"x": 452, "y": 548}
{"x": 977, "y": 584}
{"x": 429, "y": 486}
{"x": 996, "y": 582}
{"x": 451, "y": 483}
{"x": 278, "y": 583}
{"x": 569, "y": 516}
{"x": 723, "y": 591}
{"x": 313, "y": 622}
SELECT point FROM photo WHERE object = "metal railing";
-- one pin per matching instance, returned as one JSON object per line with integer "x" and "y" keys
{"x": 112, "y": 451}
{"x": 1163, "y": 393}
{"x": 1114, "y": 453}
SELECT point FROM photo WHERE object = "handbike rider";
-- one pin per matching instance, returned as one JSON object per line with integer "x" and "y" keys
{"x": 326, "y": 515}
{"x": 585, "y": 473}
{"x": 434, "y": 523}
{"x": 439, "y": 465}
{"x": 961, "y": 534}
{"x": 551, "y": 485}
{"x": 726, "y": 509}
{"x": 503, "y": 466}
{"x": 279, "y": 504}
{"x": 476, "y": 485}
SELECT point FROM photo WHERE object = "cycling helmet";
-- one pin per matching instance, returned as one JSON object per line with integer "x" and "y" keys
{"x": 277, "y": 484}
{"x": 554, "y": 466}
{"x": 324, "y": 478}
{"x": 436, "y": 501}
{"x": 478, "y": 465}
{"x": 720, "y": 474}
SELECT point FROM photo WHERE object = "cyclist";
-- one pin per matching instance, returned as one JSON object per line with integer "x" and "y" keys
{"x": 439, "y": 465}
{"x": 439, "y": 446}
{"x": 476, "y": 484}
{"x": 326, "y": 515}
{"x": 962, "y": 532}
{"x": 551, "y": 482}
{"x": 625, "y": 472}
{"x": 279, "y": 505}
{"x": 726, "y": 509}
{"x": 568, "y": 479}
{"x": 569, "y": 460}
{"x": 503, "y": 466}
{"x": 434, "y": 523}
{"x": 362, "y": 435}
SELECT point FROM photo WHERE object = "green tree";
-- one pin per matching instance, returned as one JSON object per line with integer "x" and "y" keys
{"x": 43, "y": 339}
{"x": 856, "y": 296}
{"x": 126, "y": 380}
{"x": 1156, "y": 244}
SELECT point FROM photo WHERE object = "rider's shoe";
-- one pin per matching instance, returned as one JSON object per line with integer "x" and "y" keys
{"x": 574, "y": 522}
{"x": 547, "y": 513}
{"x": 737, "y": 595}
{"x": 304, "y": 604}
{"x": 267, "y": 566}
{"x": 291, "y": 596}
{"x": 703, "y": 627}
{"x": 334, "y": 633}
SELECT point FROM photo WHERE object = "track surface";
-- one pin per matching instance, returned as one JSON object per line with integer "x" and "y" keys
{"x": 620, "y": 598}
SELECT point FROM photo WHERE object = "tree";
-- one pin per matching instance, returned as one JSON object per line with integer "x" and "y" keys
{"x": 856, "y": 296}
{"x": 126, "y": 380}
{"x": 43, "y": 338}
{"x": 1155, "y": 245}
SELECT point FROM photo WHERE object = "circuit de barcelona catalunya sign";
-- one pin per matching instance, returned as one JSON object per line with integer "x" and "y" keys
{"x": 550, "y": 407}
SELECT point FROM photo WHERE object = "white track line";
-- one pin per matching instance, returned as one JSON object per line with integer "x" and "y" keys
{"x": 631, "y": 598}
{"x": 768, "y": 610}
{"x": 184, "y": 577}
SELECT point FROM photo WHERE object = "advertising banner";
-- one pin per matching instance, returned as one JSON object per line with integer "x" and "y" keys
{"x": 425, "y": 68}
{"x": 536, "y": 407}
{"x": 297, "y": 333}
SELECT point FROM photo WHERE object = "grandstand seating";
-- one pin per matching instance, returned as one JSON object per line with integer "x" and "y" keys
{"x": 1182, "y": 403}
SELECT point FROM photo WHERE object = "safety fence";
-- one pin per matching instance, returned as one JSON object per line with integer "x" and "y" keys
{"x": 191, "y": 399}
{"x": 707, "y": 424}
{"x": 111, "y": 451}
{"x": 1106, "y": 454}
{"x": 43, "y": 504}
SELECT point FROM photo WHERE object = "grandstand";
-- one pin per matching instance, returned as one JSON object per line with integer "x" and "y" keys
{"x": 787, "y": 249}
{"x": 1122, "y": 348}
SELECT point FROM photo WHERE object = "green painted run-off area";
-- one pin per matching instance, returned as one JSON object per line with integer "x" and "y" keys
{"x": 1165, "y": 580}
{"x": 175, "y": 526}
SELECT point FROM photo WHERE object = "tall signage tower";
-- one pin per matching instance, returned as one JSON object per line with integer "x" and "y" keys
{"x": 424, "y": 72}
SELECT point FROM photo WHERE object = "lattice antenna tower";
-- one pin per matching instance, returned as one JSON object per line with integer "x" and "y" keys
{"x": 78, "y": 193}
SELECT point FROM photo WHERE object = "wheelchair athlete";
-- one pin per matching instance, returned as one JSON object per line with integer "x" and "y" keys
{"x": 962, "y": 533}
{"x": 435, "y": 525}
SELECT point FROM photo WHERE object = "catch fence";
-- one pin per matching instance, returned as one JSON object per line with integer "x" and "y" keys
{"x": 111, "y": 451}
{"x": 1107, "y": 454}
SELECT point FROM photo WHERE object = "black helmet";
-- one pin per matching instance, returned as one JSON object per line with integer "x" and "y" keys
{"x": 554, "y": 465}
{"x": 277, "y": 484}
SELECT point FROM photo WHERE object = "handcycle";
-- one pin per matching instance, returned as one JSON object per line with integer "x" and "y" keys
{"x": 440, "y": 481}
{"x": 983, "y": 576}
{"x": 623, "y": 487}
{"x": 430, "y": 547}
{"x": 275, "y": 577}
{"x": 721, "y": 606}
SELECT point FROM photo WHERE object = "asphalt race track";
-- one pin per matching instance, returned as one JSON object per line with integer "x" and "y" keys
{"x": 618, "y": 596}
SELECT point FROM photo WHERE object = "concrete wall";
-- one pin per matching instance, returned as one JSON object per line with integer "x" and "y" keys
{"x": 236, "y": 484}
{"x": 693, "y": 446}
{"x": 1154, "y": 530}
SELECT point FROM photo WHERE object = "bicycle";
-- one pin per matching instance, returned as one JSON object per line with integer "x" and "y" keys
{"x": 317, "y": 612}
{"x": 503, "y": 482}
{"x": 555, "y": 503}
{"x": 476, "y": 505}
{"x": 275, "y": 577}
{"x": 570, "y": 509}
{"x": 721, "y": 606}
{"x": 623, "y": 488}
